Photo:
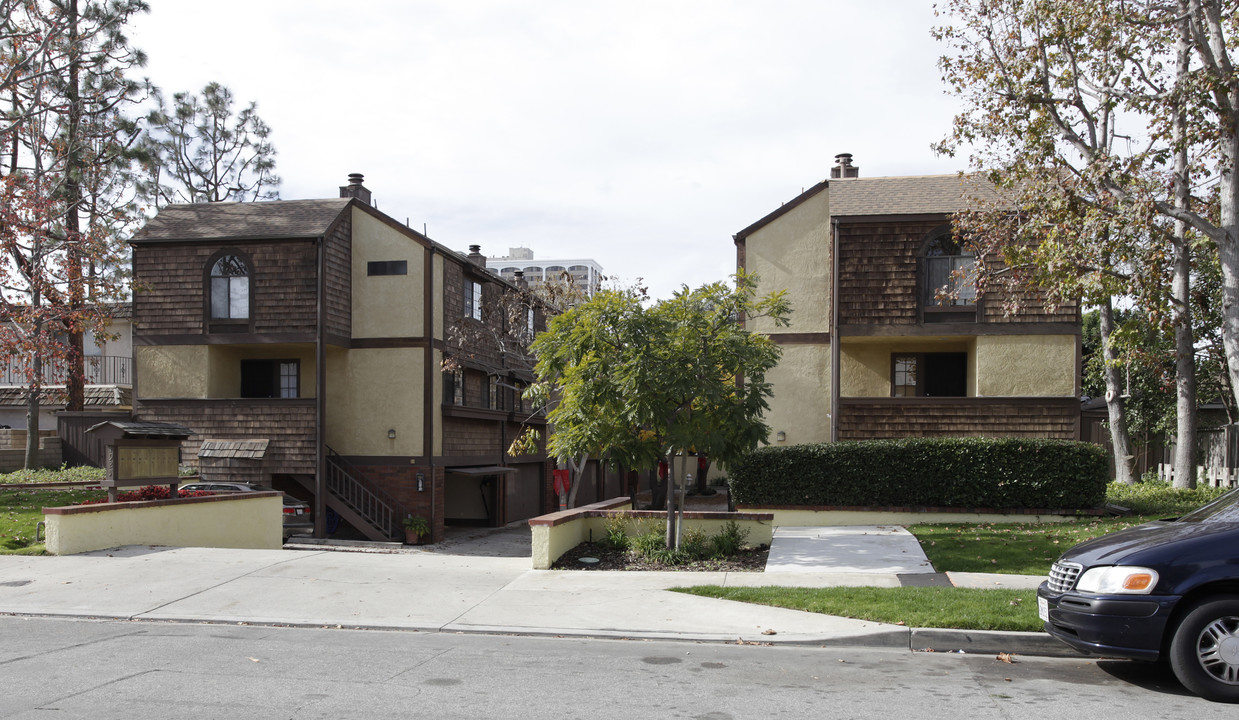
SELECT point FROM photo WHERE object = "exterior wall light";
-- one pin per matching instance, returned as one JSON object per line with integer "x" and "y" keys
{"x": 780, "y": 436}
{"x": 391, "y": 434}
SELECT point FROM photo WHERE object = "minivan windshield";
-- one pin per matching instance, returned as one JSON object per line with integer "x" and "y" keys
{"x": 1224, "y": 509}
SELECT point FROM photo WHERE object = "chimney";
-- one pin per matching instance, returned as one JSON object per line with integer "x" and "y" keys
{"x": 519, "y": 280}
{"x": 843, "y": 168}
{"x": 475, "y": 256}
{"x": 355, "y": 189}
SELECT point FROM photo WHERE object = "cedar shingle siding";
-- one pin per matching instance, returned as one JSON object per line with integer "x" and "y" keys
{"x": 880, "y": 419}
{"x": 288, "y": 424}
{"x": 172, "y": 278}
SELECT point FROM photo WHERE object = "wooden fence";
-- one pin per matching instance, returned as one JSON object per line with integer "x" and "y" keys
{"x": 1217, "y": 457}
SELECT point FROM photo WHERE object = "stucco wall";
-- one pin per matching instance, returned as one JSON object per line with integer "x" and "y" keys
{"x": 225, "y": 362}
{"x": 253, "y": 521}
{"x": 559, "y": 532}
{"x": 386, "y": 305}
{"x": 171, "y": 371}
{"x": 371, "y": 391}
{"x": 866, "y": 365}
{"x": 800, "y": 407}
{"x": 793, "y": 253}
{"x": 1026, "y": 366}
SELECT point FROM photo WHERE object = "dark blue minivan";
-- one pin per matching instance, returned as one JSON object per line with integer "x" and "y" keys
{"x": 1167, "y": 589}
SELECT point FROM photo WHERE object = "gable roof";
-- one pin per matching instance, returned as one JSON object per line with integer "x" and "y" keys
{"x": 905, "y": 195}
{"x": 284, "y": 219}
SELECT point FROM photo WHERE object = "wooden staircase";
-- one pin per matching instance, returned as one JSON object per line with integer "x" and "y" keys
{"x": 367, "y": 508}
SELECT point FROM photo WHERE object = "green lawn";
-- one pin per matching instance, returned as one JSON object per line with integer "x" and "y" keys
{"x": 21, "y": 510}
{"x": 924, "y": 607}
{"x": 1013, "y": 548}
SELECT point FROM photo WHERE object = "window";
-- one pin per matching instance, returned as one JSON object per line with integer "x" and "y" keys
{"x": 387, "y": 267}
{"x": 473, "y": 300}
{"x": 948, "y": 268}
{"x": 454, "y": 387}
{"x": 494, "y": 394}
{"x": 270, "y": 378}
{"x": 529, "y": 320}
{"x": 929, "y": 375}
{"x": 230, "y": 289}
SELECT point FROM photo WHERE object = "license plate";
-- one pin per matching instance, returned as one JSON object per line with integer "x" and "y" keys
{"x": 1043, "y": 609}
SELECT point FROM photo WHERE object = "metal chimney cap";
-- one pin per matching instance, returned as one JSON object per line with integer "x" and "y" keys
{"x": 355, "y": 178}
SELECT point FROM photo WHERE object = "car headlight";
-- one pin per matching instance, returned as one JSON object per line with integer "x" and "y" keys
{"x": 1118, "y": 580}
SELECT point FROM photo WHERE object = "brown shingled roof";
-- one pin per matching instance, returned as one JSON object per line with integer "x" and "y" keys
{"x": 242, "y": 220}
{"x": 909, "y": 195}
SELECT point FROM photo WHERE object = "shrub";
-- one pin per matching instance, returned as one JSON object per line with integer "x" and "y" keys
{"x": 150, "y": 492}
{"x": 81, "y": 473}
{"x": 1151, "y": 496}
{"x": 617, "y": 531}
{"x": 696, "y": 544}
{"x": 730, "y": 540}
{"x": 934, "y": 472}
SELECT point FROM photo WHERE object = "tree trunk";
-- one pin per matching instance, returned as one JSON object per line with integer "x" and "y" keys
{"x": 1120, "y": 441}
{"x": 34, "y": 389}
{"x": 1184, "y": 342}
{"x": 670, "y": 490}
{"x": 75, "y": 380}
{"x": 576, "y": 467}
{"x": 1185, "y": 372}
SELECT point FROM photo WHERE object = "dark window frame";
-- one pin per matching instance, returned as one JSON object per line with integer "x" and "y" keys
{"x": 227, "y": 324}
{"x": 274, "y": 380}
{"x": 376, "y": 268}
{"x": 963, "y": 309}
{"x": 473, "y": 299}
{"x": 454, "y": 387}
{"x": 921, "y": 372}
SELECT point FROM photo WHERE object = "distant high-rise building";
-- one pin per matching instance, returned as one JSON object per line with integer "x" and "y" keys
{"x": 585, "y": 273}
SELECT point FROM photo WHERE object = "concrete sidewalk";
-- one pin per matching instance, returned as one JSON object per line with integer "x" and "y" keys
{"x": 449, "y": 590}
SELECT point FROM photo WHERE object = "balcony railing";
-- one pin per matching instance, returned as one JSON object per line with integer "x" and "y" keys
{"x": 100, "y": 370}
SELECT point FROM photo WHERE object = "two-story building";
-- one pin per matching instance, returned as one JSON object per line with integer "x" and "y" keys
{"x": 303, "y": 341}
{"x": 888, "y": 337}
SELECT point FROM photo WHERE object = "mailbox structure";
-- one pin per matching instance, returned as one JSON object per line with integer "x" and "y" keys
{"x": 141, "y": 453}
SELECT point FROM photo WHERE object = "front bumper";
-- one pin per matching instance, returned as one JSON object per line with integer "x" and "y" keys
{"x": 1124, "y": 626}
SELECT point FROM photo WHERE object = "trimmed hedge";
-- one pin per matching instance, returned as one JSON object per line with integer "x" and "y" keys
{"x": 998, "y": 473}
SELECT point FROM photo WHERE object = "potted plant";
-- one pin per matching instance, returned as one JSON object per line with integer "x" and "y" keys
{"x": 415, "y": 526}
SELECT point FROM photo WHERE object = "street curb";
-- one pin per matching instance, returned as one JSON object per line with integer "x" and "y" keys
{"x": 912, "y": 639}
{"x": 989, "y": 642}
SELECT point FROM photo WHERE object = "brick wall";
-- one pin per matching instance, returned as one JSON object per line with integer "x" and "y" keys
{"x": 399, "y": 482}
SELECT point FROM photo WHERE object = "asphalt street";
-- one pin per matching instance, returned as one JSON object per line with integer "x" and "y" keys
{"x": 73, "y": 668}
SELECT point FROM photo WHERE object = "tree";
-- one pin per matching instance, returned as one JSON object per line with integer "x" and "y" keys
{"x": 201, "y": 151}
{"x": 1100, "y": 118}
{"x": 646, "y": 383}
{"x": 64, "y": 140}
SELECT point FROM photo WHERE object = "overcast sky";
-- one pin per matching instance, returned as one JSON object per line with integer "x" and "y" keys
{"x": 642, "y": 134}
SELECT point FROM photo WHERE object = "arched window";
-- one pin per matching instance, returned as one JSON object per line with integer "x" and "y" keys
{"x": 948, "y": 271}
{"x": 230, "y": 288}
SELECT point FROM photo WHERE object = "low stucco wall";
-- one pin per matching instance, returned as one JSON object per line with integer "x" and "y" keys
{"x": 255, "y": 521}
{"x": 814, "y": 517}
{"x": 559, "y": 532}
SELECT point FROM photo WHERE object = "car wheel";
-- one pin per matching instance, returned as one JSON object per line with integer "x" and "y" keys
{"x": 1204, "y": 652}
